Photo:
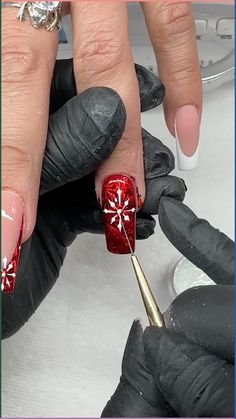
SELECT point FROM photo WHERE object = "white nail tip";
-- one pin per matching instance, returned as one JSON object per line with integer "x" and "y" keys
{"x": 186, "y": 162}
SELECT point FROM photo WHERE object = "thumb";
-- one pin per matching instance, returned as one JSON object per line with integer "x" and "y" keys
{"x": 194, "y": 312}
{"x": 137, "y": 394}
{"x": 195, "y": 382}
{"x": 81, "y": 135}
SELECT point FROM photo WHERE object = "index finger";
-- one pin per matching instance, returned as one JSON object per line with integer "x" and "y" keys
{"x": 172, "y": 31}
{"x": 205, "y": 316}
{"x": 195, "y": 382}
{"x": 204, "y": 245}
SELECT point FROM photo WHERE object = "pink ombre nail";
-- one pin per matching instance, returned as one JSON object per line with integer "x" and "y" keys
{"x": 12, "y": 226}
{"x": 187, "y": 128}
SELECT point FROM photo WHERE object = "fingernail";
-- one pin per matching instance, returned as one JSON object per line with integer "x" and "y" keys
{"x": 12, "y": 226}
{"x": 119, "y": 203}
{"x": 187, "y": 127}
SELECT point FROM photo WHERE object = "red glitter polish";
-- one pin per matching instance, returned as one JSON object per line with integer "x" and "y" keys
{"x": 9, "y": 269}
{"x": 119, "y": 204}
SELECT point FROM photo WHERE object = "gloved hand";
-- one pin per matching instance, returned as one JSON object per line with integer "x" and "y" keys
{"x": 186, "y": 369}
{"x": 82, "y": 133}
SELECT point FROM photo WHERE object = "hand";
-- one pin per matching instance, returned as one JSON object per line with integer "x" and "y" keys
{"x": 28, "y": 58}
{"x": 68, "y": 204}
{"x": 186, "y": 369}
{"x": 102, "y": 56}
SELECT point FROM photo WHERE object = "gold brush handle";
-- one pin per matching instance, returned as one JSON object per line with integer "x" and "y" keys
{"x": 154, "y": 314}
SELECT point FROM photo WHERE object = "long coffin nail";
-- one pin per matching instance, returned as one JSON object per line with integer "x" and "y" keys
{"x": 187, "y": 127}
{"x": 119, "y": 203}
{"x": 12, "y": 226}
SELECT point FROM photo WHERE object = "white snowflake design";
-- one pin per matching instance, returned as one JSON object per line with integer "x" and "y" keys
{"x": 6, "y": 273}
{"x": 120, "y": 213}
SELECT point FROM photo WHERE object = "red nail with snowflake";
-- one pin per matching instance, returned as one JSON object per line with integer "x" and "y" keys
{"x": 119, "y": 204}
{"x": 9, "y": 269}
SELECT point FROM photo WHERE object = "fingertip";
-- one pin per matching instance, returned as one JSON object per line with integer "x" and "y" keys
{"x": 103, "y": 106}
{"x": 81, "y": 135}
{"x": 172, "y": 32}
{"x": 173, "y": 209}
{"x": 155, "y": 347}
{"x": 96, "y": 117}
{"x": 145, "y": 227}
{"x": 137, "y": 326}
{"x": 158, "y": 158}
{"x": 152, "y": 90}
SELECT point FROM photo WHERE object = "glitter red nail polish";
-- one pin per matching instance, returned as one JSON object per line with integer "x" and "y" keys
{"x": 9, "y": 269}
{"x": 119, "y": 203}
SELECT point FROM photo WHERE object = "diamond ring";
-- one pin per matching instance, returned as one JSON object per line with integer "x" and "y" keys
{"x": 45, "y": 14}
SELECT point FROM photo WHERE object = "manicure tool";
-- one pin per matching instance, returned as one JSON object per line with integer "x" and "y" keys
{"x": 154, "y": 314}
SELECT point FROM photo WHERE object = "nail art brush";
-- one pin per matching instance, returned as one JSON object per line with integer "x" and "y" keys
{"x": 154, "y": 314}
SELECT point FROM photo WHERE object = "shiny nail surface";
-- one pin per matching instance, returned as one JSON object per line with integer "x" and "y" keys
{"x": 11, "y": 235}
{"x": 187, "y": 128}
{"x": 9, "y": 269}
{"x": 119, "y": 203}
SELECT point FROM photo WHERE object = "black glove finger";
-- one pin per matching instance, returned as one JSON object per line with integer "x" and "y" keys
{"x": 151, "y": 89}
{"x": 205, "y": 316}
{"x": 145, "y": 226}
{"x": 63, "y": 86}
{"x": 158, "y": 162}
{"x": 194, "y": 382}
{"x": 81, "y": 134}
{"x": 40, "y": 262}
{"x": 205, "y": 246}
{"x": 162, "y": 186}
{"x": 158, "y": 159}
{"x": 39, "y": 269}
{"x": 136, "y": 395}
{"x": 41, "y": 259}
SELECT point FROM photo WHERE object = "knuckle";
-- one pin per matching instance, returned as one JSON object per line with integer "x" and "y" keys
{"x": 16, "y": 160}
{"x": 174, "y": 20}
{"x": 20, "y": 59}
{"x": 98, "y": 56}
{"x": 184, "y": 75}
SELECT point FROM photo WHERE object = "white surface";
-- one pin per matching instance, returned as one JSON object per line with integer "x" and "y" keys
{"x": 66, "y": 361}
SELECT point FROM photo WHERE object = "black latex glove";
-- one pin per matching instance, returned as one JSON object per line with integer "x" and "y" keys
{"x": 187, "y": 369}
{"x": 82, "y": 133}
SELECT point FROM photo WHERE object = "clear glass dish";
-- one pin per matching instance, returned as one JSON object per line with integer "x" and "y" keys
{"x": 184, "y": 275}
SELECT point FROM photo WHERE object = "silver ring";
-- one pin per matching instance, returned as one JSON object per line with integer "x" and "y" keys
{"x": 45, "y": 14}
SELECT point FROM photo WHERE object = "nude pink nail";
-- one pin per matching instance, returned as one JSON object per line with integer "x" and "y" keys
{"x": 187, "y": 129}
{"x": 11, "y": 233}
